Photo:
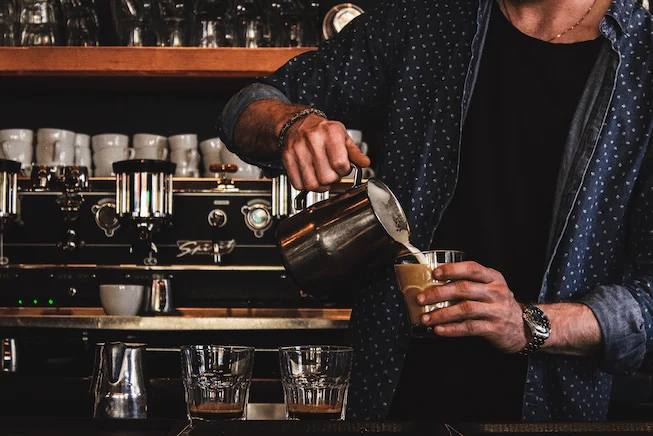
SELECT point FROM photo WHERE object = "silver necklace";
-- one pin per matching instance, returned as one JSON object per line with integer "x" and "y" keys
{"x": 505, "y": 8}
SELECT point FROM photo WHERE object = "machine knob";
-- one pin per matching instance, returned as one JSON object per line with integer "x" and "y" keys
{"x": 217, "y": 218}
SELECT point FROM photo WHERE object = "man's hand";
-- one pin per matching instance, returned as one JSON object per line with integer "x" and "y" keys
{"x": 316, "y": 152}
{"x": 319, "y": 152}
{"x": 487, "y": 307}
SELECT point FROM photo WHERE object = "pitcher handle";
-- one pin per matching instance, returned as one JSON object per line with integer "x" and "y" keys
{"x": 300, "y": 199}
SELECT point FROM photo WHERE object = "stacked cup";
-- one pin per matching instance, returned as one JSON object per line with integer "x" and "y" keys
{"x": 245, "y": 170}
{"x": 211, "y": 149}
{"x": 16, "y": 144}
{"x": 184, "y": 154}
{"x": 149, "y": 146}
{"x": 107, "y": 149}
{"x": 55, "y": 147}
{"x": 82, "y": 144}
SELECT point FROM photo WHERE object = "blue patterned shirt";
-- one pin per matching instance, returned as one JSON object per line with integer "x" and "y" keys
{"x": 417, "y": 60}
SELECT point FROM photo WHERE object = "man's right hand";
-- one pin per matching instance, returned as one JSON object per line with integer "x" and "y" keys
{"x": 318, "y": 152}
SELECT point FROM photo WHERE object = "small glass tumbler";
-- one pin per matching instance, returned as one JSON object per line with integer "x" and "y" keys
{"x": 216, "y": 381}
{"x": 414, "y": 274}
{"x": 315, "y": 381}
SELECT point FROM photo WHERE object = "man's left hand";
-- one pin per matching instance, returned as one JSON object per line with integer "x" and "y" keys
{"x": 486, "y": 306}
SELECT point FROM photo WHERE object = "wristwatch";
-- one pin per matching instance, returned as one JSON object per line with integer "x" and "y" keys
{"x": 538, "y": 324}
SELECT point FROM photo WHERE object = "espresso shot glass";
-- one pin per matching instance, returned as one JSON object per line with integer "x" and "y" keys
{"x": 216, "y": 381}
{"x": 414, "y": 274}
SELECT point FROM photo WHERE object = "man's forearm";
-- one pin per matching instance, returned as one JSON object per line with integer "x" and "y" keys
{"x": 574, "y": 330}
{"x": 257, "y": 130}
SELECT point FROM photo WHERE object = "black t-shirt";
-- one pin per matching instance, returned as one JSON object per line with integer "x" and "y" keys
{"x": 518, "y": 120}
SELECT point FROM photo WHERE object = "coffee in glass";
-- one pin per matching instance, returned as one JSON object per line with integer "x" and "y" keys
{"x": 414, "y": 274}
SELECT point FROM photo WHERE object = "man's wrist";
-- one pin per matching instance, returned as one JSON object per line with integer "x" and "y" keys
{"x": 538, "y": 328}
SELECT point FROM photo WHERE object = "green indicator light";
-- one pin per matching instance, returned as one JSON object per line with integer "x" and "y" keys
{"x": 20, "y": 301}
{"x": 36, "y": 301}
{"x": 51, "y": 301}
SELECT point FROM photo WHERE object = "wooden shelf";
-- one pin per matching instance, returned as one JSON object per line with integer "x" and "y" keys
{"x": 143, "y": 61}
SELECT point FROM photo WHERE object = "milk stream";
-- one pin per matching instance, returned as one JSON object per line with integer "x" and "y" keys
{"x": 393, "y": 219}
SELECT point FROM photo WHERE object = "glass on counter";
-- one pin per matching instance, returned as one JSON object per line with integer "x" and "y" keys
{"x": 315, "y": 381}
{"x": 216, "y": 381}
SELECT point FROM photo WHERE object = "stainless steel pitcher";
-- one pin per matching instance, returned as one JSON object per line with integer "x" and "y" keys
{"x": 342, "y": 236}
{"x": 119, "y": 382}
{"x": 158, "y": 297}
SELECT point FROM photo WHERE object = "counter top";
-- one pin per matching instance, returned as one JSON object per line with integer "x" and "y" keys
{"x": 101, "y": 427}
{"x": 186, "y": 319}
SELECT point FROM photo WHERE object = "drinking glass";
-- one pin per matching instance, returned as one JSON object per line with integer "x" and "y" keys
{"x": 214, "y": 24}
{"x": 315, "y": 381}
{"x": 82, "y": 24}
{"x": 8, "y": 23}
{"x": 414, "y": 273}
{"x": 135, "y": 24}
{"x": 174, "y": 16}
{"x": 38, "y": 23}
{"x": 216, "y": 381}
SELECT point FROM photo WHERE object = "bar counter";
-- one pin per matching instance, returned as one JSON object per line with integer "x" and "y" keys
{"x": 186, "y": 319}
{"x": 101, "y": 427}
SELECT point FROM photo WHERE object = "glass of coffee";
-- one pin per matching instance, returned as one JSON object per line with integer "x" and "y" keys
{"x": 414, "y": 274}
{"x": 315, "y": 381}
{"x": 216, "y": 381}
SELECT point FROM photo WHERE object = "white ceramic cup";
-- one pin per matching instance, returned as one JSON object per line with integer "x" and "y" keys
{"x": 20, "y": 135}
{"x": 156, "y": 153}
{"x": 245, "y": 170}
{"x": 211, "y": 149}
{"x": 105, "y": 157}
{"x": 183, "y": 142}
{"x": 83, "y": 159}
{"x": 185, "y": 158}
{"x": 55, "y": 147}
{"x": 82, "y": 140}
{"x": 187, "y": 172}
{"x": 121, "y": 300}
{"x": 17, "y": 144}
{"x": 147, "y": 140}
{"x": 109, "y": 140}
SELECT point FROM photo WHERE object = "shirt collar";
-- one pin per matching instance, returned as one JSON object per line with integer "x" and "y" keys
{"x": 620, "y": 12}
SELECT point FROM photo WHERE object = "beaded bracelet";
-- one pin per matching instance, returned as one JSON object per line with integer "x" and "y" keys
{"x": 294, "y": 119}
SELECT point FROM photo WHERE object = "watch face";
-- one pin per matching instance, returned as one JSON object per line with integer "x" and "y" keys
{"x": 338, "y": 17}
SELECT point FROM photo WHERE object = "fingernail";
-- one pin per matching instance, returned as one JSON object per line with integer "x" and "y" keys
{"x": 421, "y": 298}
{"x": 437, "y": 272}
{"x": 426, "y": 318}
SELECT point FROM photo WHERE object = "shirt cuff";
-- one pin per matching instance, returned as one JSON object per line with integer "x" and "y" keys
{"x": 237, "y": 104}
{"x": 622, "y": 325}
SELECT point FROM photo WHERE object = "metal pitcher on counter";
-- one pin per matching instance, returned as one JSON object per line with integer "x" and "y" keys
{"x": 340, "y": 237}
{"x": 118, "y": 381}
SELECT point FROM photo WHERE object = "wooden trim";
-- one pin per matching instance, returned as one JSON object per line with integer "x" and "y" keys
{"x": 143, "y": 61}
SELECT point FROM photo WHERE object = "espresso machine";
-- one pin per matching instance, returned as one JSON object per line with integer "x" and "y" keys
{"x": 211, "y": 239}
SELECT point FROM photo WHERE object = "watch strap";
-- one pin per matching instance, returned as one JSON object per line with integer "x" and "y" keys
{"x": 532, "y": 314}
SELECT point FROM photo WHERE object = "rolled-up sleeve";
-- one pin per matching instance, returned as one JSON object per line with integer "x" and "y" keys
{"x": 624, "y": 335}
{"x": 237, "y": 104}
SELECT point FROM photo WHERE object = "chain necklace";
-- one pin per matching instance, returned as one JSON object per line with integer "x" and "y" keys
{"x": 505, "y": 8}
